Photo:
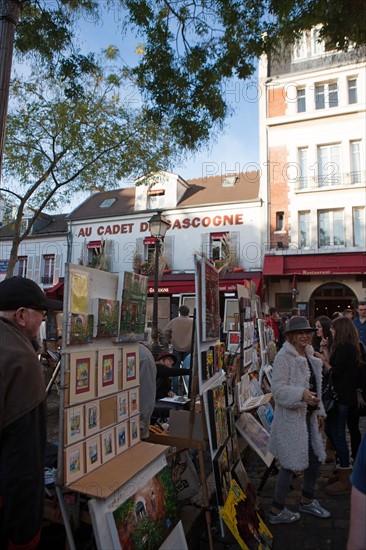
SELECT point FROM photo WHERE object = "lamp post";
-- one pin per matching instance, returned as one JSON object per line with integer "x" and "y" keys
{"x": 158, "y": 226}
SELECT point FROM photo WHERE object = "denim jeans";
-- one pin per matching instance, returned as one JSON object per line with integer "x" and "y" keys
{"x": 284, "y": 479}
{"x": 180, "y": 355}
{"x": 335, "y": 429}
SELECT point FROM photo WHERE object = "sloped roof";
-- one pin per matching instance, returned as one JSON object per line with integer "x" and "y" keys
{"x": 45, "y": 225}
{"x": 201, "y": 192}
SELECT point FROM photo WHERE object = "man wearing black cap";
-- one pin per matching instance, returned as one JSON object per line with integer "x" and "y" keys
{"x": 23, "y": 307}
{"x": 165, "y": 370}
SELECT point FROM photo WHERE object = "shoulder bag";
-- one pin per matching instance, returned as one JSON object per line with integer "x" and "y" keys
{"x": 329, "y": 395}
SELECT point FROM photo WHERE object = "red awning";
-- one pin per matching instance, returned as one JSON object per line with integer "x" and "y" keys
{"x": 188, "y": 287}
{"x": 316, "y": 264}
{"x": 56, "y": 292}
{"x": 93, "y": 244}
{"x": 218, "y": 235}
{"x": 149, "y": 240}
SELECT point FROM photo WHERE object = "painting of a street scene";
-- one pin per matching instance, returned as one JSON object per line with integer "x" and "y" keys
{"x": 133, "y": 308}
{"x": 145, "y": 520}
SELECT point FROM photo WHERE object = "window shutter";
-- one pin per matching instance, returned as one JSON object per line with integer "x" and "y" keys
{"x": 56, "y": 274}
{"x": 30, "y": 267}
{"x": 168, "y": 250}
{"x": 37, "y": 269}
{"x": 235, "y": 239}
{"x": 108, "y": 250}
{"x": 205, "y": 245}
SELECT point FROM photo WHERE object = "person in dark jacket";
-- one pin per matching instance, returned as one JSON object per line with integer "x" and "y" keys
{"x": 344, "y": 360}
{"x": 23, "y": 435}
{"x": 164, "y": 372}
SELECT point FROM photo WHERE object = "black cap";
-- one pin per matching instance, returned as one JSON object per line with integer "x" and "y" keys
{"x": 22, "y": 292}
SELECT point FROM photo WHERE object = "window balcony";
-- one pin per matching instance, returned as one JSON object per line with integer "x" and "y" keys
{"x": 47, "y": 280}
{"x": 331, "y": 181}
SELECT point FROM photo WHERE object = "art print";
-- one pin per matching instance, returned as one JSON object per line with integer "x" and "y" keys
{"x": 221, "y": 467}
{"x": 134, "y": 430}
{"x": 122, "y": 436}
{"x": 130, "y": 369}
{"x": 93, "y": 455}
{"x": 233, "y": 341}
{"x": 255, "y": 435}
{"x": 107, "y": 371}
{"x": 147, "y": 518}
{"x": 217, "y": 405}
{"x": 74, "y": 462}
{"x": 75, "y": 424}
{"x": 122, "y": 406}
{"x": 82, "y": 376}
{"x": 134, "y": 401}
{"x": 240, "y": 515}
{"x": 108, "y": 445}
{"x": 211, "y": 321}
{"x": 131, "y": 366}
{"x": 92, "y": 418}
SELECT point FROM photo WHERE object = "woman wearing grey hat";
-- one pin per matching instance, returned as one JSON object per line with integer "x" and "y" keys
{"x": 296, "y": 438}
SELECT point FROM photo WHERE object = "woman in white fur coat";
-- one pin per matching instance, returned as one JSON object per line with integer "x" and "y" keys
{"x": 296, "y": 438}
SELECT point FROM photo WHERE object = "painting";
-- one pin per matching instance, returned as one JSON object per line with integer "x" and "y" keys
{"x": 122, "y": 406}
{"x": 92, "y": 418}
{"x": 134, "y": 430}
{"x": 217, "y": 413}
{"x": 74, "y": 424}
{"x": 211, "y": 321}
{"x": 239, "y": 473}
{"x": 93, "y": 457}
{"x": 107, "y": 371}
{"x": 240, "y": 515}
{"x": 133, "y": 307}
{"x": 221, "y": 468}
{"x": 147, "y": 518}
{"x": 74, "y": 462}
{"x": 108, "y": 444}
{"x": 79, "y": 328}
{"x": 233, "y": 341}
{"x": 82, "y": 376}
{"x": 255, "y": 435}
{"x": 79, "y": 285}
{"x": 106, "y": 317}
{"x": 122, "y": 435}
{"x": 134, "y": 401}
{"x": 130, "y": 369}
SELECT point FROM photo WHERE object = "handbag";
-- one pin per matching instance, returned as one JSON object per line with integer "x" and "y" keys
{"x": 329, "y": 395}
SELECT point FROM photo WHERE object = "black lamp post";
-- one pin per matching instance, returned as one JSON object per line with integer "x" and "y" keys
{"x": 158, "y": 226}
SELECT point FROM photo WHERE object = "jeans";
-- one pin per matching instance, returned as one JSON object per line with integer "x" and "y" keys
{"x": 180, "y": 355}
{"x": 284, "y": 479}
{"x": 353, "y": 420}
{"x": 335, "y": 429}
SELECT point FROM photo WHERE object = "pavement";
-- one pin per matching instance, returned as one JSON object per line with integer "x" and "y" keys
{"x": 310, "y": 533}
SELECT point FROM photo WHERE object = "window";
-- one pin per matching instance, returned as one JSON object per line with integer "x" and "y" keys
{"x": 107, "y": 203}
{"x": 303, "y": 167}
{"x": 301, "y": 100}
{"x": 299, "y": 51}
{"x": 48, "y": 269}
{"x": 329, "y": 160}
{"x": 358, "y": 219}
{"x": 352, "y": 90}
{"x": 331, "y": 228}
{"x": 283, "y": 301}
{"x": 326, "y": 95}
{"x": 317, "y": 44}
{"x": 356, "y": 175}
{"x": 304, "y": 229}
{"x": 280, "y": 221}
{"x": 21, "y": 266}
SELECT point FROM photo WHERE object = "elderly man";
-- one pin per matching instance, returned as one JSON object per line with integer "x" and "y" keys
{"x": 23, "y": 307}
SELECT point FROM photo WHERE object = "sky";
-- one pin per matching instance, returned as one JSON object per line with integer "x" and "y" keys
{"x": 235, "y": 149}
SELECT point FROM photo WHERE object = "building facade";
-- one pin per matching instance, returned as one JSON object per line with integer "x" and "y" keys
{"x": 312, "y": 151}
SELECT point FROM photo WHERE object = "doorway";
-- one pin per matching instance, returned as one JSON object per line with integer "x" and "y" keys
{"x": 329, "y": 298}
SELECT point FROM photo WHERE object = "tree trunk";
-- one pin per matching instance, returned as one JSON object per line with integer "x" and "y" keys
{"x": 13, "y": 258}
{"x": 9, "y": 18}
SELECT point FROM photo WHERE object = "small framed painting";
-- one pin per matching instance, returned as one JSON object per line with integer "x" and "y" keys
{"x": 122, "y": 406}
{"x": 134, "y": 430}
{"x": 122, "y": 435}
{"x": 130, "y": 367}
{"x": 74, "y": 424}
{"x": 93, "y": 457}
{"x": 108, "y": 444}
{"x": 92, "y": 418}
{"x": 74, "y": 462}
{"x": 82, "y": 376}
{"x": 134, "y": 400}
{"x": 107, "y": 372}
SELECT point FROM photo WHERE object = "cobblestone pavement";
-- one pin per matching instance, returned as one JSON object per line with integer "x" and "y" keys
{"x": 309, "y": 533}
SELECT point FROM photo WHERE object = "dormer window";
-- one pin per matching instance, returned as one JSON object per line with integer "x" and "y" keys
{"x": 107, "y": 203}
{"x": 230, "y": 181}
{"x": 156, "y": 192}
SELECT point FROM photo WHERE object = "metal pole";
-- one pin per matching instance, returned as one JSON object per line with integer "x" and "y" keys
{"x": 155, "y": 346}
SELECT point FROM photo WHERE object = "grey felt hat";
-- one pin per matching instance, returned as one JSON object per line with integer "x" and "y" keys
{"x": 297, "y": 323}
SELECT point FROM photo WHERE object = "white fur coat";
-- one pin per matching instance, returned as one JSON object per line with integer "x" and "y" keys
{"x": 289, "y": 434}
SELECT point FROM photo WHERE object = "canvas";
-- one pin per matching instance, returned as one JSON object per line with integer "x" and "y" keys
{"x": 133, "y": 308}
{"x": 255, "y": 435}
{"x": 106, "y": 317}
{"x": 218, "y": 422}
{"x": 210, "y": 327}
{"x": 241, "y": 517}
{"x": 221, "y": 468}
{"x": 147, "y": 518}
{"x": 79, "y": 329}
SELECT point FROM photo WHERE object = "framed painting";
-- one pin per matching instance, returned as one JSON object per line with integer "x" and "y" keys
{"x": 239, "y": 473}
{"x": 130, "y": 367}
{"x": 74, "y": 424}
{"x": 233, "y": 341}
{"x": 74, "y": 462}
{"x": 82, "y": 376}
{"x": 107, "y": 371}
{"x": 93, "y": 457}
{"x": 92, "y": 418}
{"x": 122, "y": 406}
{"x": 134, "y": 401}
{"x": 217, "y": 412}
{"x": 79, "y": 328}
{"x": 122, "y": 437}
{"x": 133, "y": 307}
{"x": 106, "y": 317}
{"x": 255, "y": 435}
{"x": 108, "y": 445}
{"x": 134, "y": 431}
{"x": 210, "y": 315}
{"x": 221, "y": 468}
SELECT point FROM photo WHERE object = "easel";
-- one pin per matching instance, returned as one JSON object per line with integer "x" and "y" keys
{"x": 56, "y": 371}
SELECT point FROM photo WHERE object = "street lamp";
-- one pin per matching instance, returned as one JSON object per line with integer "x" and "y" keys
{"x": 158, "y": 226}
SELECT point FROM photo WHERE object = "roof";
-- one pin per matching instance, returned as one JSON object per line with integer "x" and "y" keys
{"x": 201, "y": 192}
{"x": 45, "y": 224}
